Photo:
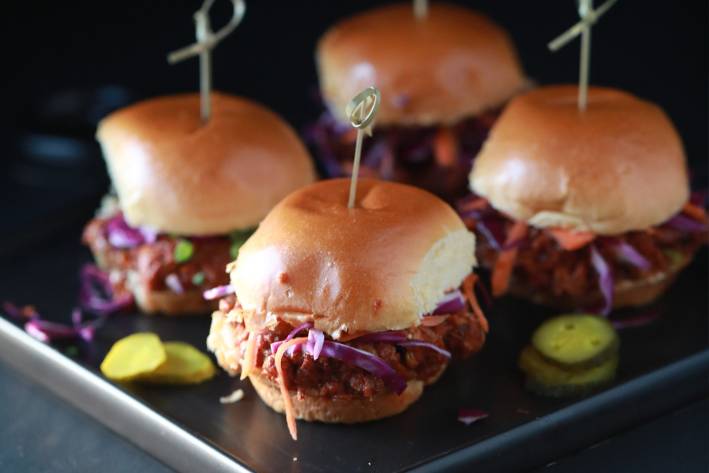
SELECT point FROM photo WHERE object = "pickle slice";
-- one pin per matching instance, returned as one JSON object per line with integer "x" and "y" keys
{"x": 133, "y": 356}
{"x": 184, "y": 365}
{"x": 576, "y": 341}
{"x": 551, "y": 380}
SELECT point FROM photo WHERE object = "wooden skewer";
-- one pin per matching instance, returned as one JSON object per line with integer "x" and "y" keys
{"x": 588, "y": 16}
{"x": 206, "y": 41}
{"x": 361, "y": 111}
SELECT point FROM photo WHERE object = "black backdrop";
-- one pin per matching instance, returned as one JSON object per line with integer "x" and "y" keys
{"x": 656, "y": 49}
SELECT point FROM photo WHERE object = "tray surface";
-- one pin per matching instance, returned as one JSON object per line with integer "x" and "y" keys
{"x": 257, "y": 438}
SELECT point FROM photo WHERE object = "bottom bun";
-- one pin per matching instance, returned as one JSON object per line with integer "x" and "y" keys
{"x": 343, "y": 411}
{"x": 171, "y": 303}
{"x": 625, "y": 293}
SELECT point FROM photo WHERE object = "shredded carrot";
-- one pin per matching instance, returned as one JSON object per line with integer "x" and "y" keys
{"x": 249, "y": 355}
{"x": 445, "y": 147}
{"x": 571, "y": 240}
{"x": 502, "y": 271}
{"x": 433, "y": 320}
{"x": 469, "y": 292}
{"x": 695, "y": 211}
{"x": 287, "y": 402}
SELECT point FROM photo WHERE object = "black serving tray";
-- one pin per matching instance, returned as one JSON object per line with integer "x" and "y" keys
{"x": 663, "y": 365}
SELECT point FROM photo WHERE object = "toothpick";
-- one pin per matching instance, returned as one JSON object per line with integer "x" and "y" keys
{"x": 420, "y": 9}
{"x": 362, "y": 118}
{"x": 206, "y": 41}
{"x": 588, "y": 16}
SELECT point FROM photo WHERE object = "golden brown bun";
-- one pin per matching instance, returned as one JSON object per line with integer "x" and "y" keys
{"x": 453, "y": 64}
{"x": 171, "y": 303}
{"x": 379, "y": 266}
{"x": 625, "y": 293}
{"x": 177, "y": 175}
{"x": 344, "y": 411}
{"x": 616, "y": 167}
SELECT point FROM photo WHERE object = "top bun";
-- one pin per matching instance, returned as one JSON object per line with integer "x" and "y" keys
{"x": 615, "y": 167}
{"x": 453, "y": 64}
{"x": 178, "y": 175}
{"x": 378, "y": 266}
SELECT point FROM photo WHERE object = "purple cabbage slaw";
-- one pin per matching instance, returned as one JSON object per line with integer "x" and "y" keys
{"x": 96, "y": 302}
{"x": 122, "y": 235}
{"x": 469, "y": 415}
{"x": 96, "y": 293}
{"x": 490, "y": 224}
{"x": 686, "y": 224}
{"x": 316, "y": 345}
{"x": 218, "y": 292}
{"x": 452, "y": 302}
{"x": 605, "y": 279}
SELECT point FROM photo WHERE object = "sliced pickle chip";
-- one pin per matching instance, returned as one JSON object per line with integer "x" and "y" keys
{"x": 184, "y": 365}
{"x": 551, "y": 380}
{"x": 133, "y": 356}
{"x": 576, "y": 341}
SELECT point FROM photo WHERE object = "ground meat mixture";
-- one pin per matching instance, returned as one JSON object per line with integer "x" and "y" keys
{"x": 154, "y": 262}
{"x": 542, "y": 264}
{"x": 460, "y": 334}
{"x": 434, "y": 158}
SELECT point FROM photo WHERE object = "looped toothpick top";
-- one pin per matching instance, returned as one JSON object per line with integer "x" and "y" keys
{"x": 589, "y": 16}
{"x": 361, "y": 111}
{"x": 355, "y": 110}
{"x": 208, "y": 38}
{"x": 206, "y": 41}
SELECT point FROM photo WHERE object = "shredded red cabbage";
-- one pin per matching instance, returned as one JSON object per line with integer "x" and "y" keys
{"x": 86, "y": 327}
{"x": 47, "y": 331}
{"x": 122, "y": 235}
{"x": 316, "y": 346}
{"x": 95, "y": 297}
{"x": 686, "y": 224}
{"x": 451, "y": 302}
{"x": 96, "y": 293}
{"x": 217, "y": 292}
{"x": 367, "y": 361}
{"x": 293, "y": 333}
{"x": 605, "y": 279}
{"x": 316, "y": 340}
{"x": 421, "y": 343}
{"x": 172, "y": 281}
{"x": 626, "y": 252}
{"x": 468, "y": 416}
{"x": 360, "y": 358}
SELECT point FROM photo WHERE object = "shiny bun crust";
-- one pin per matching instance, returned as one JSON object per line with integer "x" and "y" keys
{"x": 453, "y": 64}
{"x": 616, "y": 167}
{"x": 379, "y": 266}
{"x": 178, "y": 175}
{"x": 333, "y": 410}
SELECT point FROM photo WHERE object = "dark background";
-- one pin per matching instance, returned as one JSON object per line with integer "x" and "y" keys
{"x": 68, "y": 63}
{"x": 657, "y": 50}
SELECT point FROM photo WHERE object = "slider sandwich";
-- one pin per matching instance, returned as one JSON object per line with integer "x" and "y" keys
{"x": 344, "y": 315}
{"x": 444, "y": 78}
{"x": 188, "y": 193}
{"x": 583, "y": 209}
